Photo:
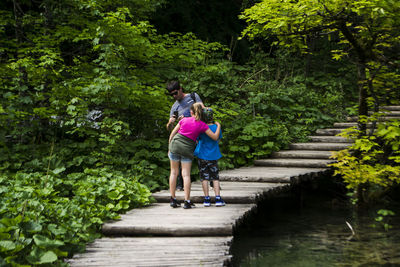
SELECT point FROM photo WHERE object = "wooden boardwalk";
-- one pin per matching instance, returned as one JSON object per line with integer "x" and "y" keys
{"x": 156, "y": 251}
{"x": 157, "y": 235}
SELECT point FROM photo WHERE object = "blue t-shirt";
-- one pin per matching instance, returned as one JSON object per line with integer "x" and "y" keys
{"x": 207, "y": 148}
{"x": 183, "y": 106}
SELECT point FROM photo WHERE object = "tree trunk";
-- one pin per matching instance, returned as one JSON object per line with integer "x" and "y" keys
{"x": 362, "y": 88}
{"x": 362, "y": 98}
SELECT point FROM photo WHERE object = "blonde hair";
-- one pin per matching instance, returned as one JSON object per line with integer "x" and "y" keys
{"x": 197, "y": 109}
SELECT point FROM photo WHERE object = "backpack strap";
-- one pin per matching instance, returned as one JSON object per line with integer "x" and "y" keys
{"x": 193, "y": 96}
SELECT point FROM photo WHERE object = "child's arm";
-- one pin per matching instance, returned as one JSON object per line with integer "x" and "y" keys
{"x": 174, "y": 131}
{"x": 212, "y": 135}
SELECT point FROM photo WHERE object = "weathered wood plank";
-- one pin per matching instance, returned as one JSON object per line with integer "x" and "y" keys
{"x": 389, "y": 117}
{"x": 390, "y": 108}
{"x": 303, "y": 154}
{"x": 160, "y": 219}
{"x": 267, "y": 174}
{"x": 329, "y": 139}
{"x": 290, "y": 162}
{"x": 231, "y": 192}
{"x": 329, "y": 131}
{"x": 155, "y": 251}
{"x": 319, "y": 146}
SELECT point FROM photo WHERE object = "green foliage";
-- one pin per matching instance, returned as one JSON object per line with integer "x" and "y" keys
{"x": 372, "y": 161}
{"x": 83, "y": 113}
{"x": 383, "y": 218}
{"x": 384, "y": 84}
{"x": 114, "y": 66}
{"x": 215, "y": 21}
{"x": 366, "y": 31}
{"x": 148, "y": 162}
{"x": 291, "y": 21}
{"x": 252, "y": 138}
{"x": 82, "y": 109}
{"x": 47, "y": 216}
{"x": 261, "y": 111}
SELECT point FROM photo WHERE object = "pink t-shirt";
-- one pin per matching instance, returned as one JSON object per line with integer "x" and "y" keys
{"x": 191, "y": 128}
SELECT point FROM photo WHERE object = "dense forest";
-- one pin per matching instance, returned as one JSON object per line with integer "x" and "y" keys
{"x": 83, "y": 107}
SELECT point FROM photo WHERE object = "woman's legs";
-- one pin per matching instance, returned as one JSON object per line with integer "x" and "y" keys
{"x": 172, "y": 177}
{"x": 204, "y": 184}
{"x": 186, "y": 167}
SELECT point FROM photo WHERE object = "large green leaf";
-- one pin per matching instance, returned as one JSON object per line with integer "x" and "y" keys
{"x": 6, "y": 245}
{"x": 39, "y": 256}
{"x": 45, "y": 242}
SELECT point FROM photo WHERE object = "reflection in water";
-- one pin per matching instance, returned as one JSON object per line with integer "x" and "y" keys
{"x": 283, "y": 234}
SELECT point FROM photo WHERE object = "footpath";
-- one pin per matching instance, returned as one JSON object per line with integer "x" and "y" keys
{"x": 157, "y": 235}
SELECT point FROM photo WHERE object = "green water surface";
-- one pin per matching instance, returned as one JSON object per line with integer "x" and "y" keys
{"x": 284, "y": 234}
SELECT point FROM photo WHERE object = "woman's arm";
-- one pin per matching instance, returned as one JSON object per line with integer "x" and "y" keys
{"x": 174, "y": 131}
{"x": 212, "y": 135}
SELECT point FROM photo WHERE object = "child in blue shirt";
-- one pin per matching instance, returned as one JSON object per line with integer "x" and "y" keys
{"x": 207, "y": 151}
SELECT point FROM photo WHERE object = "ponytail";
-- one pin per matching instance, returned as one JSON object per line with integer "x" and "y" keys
{"x": 197, "y": 110}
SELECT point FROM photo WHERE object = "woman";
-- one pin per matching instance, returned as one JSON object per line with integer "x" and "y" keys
{"x": 182, "y": 143}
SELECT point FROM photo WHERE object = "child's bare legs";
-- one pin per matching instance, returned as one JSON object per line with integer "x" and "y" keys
{"x": 216, "y": 187}
{"x": 172, "y": 177}
{"x": 186, "y": 167}
{"x": 204, "y": 184}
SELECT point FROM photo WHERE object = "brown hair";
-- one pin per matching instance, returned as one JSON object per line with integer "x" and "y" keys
{"x": 197, "y": 109}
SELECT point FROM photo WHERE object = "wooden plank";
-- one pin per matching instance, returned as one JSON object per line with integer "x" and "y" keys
{"x": 329, "y": 131}
{"x": 155, "y": 251}
{"x": 267, "y": 174}
{"x": 390, "y": 108}
{"x": 319, "y": 146}
{"x": 388, "y": 117}
{"x": 291, "y": 162}
{"x": 231, "y": 192}
{"x": 161, "y": 219}
{"x": 329, "y": 139}
{"x": 302, "y": 154}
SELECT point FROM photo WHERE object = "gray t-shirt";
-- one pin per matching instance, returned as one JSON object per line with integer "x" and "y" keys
{"x": 183, "y": 106}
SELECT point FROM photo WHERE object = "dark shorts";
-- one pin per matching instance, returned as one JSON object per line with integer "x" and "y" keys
{"x": 208, "y": 170}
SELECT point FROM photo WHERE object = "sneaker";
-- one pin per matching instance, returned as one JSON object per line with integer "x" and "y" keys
{"x": 188, "y": 204}
{"x": 207, "y": 202}
{"x": 219, "y": 202}
{"x": 174, "y": 203}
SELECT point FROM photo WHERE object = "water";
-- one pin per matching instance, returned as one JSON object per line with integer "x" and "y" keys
{"x": 316, "y": 234}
